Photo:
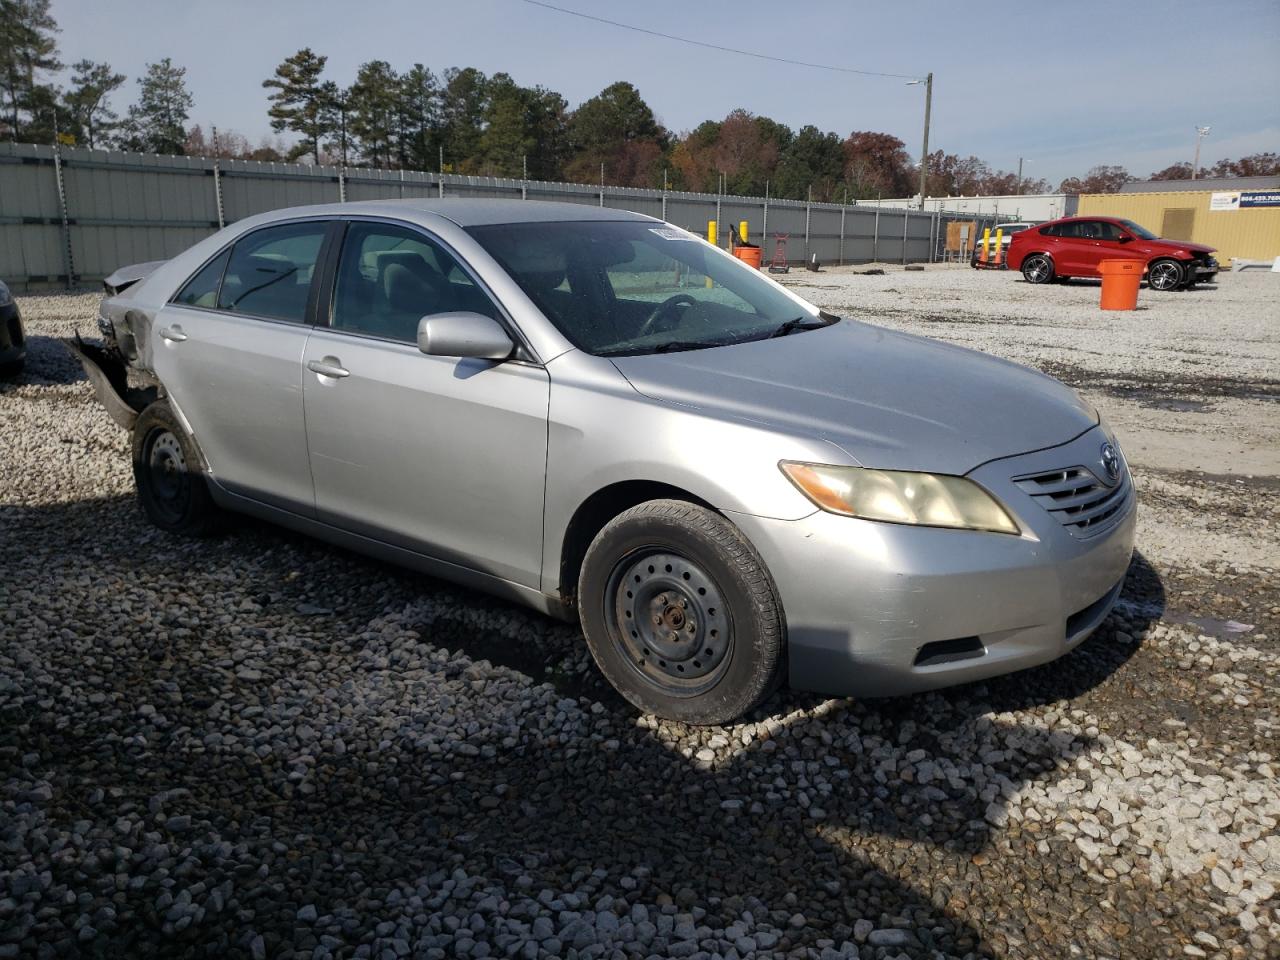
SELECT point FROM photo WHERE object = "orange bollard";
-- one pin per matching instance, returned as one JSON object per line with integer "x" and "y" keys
{"x": 999, "y": 247}
{"x": 986, "y": 241}
{"x": 1120, "y": 282}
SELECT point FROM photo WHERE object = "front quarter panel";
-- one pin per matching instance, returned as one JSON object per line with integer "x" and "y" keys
{"x": 602, "y": 432}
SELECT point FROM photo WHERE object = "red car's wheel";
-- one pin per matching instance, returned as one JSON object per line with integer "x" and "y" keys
{"x": 1165, "y": 275}
{"x": 1037, "y": 268}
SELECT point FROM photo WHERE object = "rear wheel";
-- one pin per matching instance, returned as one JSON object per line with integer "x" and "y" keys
{"x": 1165, "y": 275}
{"x": 166, "y": 468}
{"x": 1037, "y": 268}
{"x": 680, "y": 614}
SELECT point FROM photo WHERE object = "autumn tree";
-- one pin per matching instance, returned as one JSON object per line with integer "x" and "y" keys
{"x": 302, "y": 103}
{"x": 86, "y": 102}
{"x": 1175, "y": 171}
{"x": 157, "y": 122}
{"x": 1100, "y": 179}
{"x": 1255, "y": 165}
{"x": 876, "y": 164}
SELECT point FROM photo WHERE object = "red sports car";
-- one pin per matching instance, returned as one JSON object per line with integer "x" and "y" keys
{"x": 1073, "y": 247}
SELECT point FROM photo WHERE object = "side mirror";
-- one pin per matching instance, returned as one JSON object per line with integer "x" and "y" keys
{"x": 1124, "y": 238}
{"x": 464, "y": 335}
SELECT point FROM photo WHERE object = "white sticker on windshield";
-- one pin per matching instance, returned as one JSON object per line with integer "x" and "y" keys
{"x": 671, "y": 233}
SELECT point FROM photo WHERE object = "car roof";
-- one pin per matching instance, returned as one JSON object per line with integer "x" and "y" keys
{"x": 466, "y": 211}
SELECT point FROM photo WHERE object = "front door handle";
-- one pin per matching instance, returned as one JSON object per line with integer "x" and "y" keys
{"x": 329, "y": 367}
{"x": 173, "y": 334}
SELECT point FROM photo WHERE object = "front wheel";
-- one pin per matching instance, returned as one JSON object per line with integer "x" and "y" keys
{"x": 166, "y": 468}
{"x": 1037, "y": 268}
{"x": 1165, "y": 275}
{"x": 680, "y": 613}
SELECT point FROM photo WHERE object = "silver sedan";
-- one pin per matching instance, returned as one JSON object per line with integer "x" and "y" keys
{"x": 601, "y": 415}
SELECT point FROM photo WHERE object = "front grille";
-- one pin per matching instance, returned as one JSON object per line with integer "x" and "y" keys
{"x": 1078, "y": 499}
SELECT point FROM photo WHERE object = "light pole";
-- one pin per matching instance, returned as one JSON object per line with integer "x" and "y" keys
{"x": 1201, "y": 133}
{"x": 924, "y": 151}
{"x": 1018, "y": 189}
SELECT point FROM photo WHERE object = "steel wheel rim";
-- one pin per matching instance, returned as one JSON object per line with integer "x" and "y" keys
{"x": 1036, "y": 269}
{"x": 167, "y": 470}
{"x": 669, "y": 620}
{"x": 1163, "y": 276}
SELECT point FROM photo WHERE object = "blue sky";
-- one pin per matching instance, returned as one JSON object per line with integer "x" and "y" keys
{"x": 1066, "y": 85}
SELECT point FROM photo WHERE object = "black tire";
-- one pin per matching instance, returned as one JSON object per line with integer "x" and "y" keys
{"x": 171, "y": 485}
{"x": 1165, "y": 275}
{"x": 1038, "y": 268}
{"x": 680, "y": 613}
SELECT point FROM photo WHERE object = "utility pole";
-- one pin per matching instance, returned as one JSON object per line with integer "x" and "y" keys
{"x": 1018, "y": 191}
{"x": 924, "y": 151}
{"x": 1201, "y": 133}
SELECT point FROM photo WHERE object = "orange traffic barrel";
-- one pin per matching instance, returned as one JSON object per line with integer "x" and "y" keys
{"x": 750, "y": 255}
{"x": 1120, "y": 282}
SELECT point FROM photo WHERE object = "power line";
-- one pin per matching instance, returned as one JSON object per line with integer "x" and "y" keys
{"x": 714, "y": 46}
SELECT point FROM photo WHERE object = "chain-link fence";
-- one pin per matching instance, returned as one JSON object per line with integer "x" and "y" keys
{"x": 72, "y": 216}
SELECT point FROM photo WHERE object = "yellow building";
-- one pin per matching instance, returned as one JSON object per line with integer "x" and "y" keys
{"x": 1240, "y": 216}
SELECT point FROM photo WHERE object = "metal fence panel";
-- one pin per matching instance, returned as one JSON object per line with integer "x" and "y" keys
{"x": 123, "y": 208}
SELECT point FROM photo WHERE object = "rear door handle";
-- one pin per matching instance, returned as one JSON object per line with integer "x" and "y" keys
{"x": 329, "y": 367}
{"x": 173, "y": 334}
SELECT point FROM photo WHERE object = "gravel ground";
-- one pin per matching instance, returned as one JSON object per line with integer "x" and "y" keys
{"x": 261, "y": 746}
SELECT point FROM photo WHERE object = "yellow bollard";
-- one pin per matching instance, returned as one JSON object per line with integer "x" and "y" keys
{"x": 742, "y": 231}
{"x": 713, "y": 235}
{"x": 986, "y": 240}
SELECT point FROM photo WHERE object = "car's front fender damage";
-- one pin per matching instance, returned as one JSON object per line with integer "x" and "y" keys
{"x": 110, "y": 378}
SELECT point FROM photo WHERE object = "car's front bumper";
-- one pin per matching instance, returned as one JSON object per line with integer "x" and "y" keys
{"x": 13, "y": 342}
{"x": 877, "y": 609}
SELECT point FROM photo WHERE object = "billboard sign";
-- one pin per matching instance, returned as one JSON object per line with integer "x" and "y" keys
{"x": 1225, "y": 201}
{"x": 1260, "y": 198}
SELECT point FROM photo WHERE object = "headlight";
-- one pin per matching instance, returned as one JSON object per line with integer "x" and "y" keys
{"x": 6, "y": 297}
{"x": 894, "y": 496}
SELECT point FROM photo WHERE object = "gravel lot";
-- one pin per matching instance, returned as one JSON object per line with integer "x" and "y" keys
{"x": 261, "y": 746}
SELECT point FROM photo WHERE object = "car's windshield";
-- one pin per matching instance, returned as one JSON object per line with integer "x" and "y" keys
{"x": 1140, "y": 232}
{"x": 1009, "y": 228}
{"x": 622, "y": 287}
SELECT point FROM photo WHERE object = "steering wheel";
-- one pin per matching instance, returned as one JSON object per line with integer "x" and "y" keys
{"x": 661, "y": 310}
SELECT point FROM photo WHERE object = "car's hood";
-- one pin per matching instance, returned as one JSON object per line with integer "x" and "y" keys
{"x": 890, "y": 400}
{"x": 1180, "y": 245}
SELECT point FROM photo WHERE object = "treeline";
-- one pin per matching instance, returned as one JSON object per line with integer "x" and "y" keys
{"x": 463, "y": 121}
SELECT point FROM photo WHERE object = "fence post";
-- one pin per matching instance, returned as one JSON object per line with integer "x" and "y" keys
{"x": 217, "y": 191}
{"x": 842, "y": 210}
{"x": 875, "y": 236}
{"x": 342, "y": 184}
{"x": 906, "y": 219}
{"x": 718, "y": 220}
{"x": 602, "y": 184}
{"x": 764, "y": 231}
{"x": 524, "y": 177}
{"x": 664, "y": 193}
{"x": 68, "y": 260}
{"x": 808, "y": 214}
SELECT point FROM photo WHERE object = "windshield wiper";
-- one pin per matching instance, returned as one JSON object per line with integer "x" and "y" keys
{"x": 799, "y": 323}
{"x": 671, "y": 346}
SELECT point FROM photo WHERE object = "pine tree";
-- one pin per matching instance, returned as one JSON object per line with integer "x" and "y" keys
{"x": 302, "y": 102}
{"x": 373, "y": 103}
{"x": 419, "y": 133}
{"x": 157, "y": 122}
{"x": 86, "y": 102}
{"x": 27, "y": 47}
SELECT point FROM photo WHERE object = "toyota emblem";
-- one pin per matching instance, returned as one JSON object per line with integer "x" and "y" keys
{"x": 1111, "y": 461}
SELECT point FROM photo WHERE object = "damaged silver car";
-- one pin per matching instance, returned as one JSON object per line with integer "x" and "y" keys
{"x": 602, "y": 416}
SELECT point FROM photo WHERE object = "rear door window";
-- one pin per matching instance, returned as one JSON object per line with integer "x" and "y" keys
{"x": 202, "y": 289}
{"x": 269, "y": 272}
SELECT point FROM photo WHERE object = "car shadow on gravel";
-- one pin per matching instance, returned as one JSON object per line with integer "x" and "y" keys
{"x": 48, "y": 364}
{"x": 818, "y": 814}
